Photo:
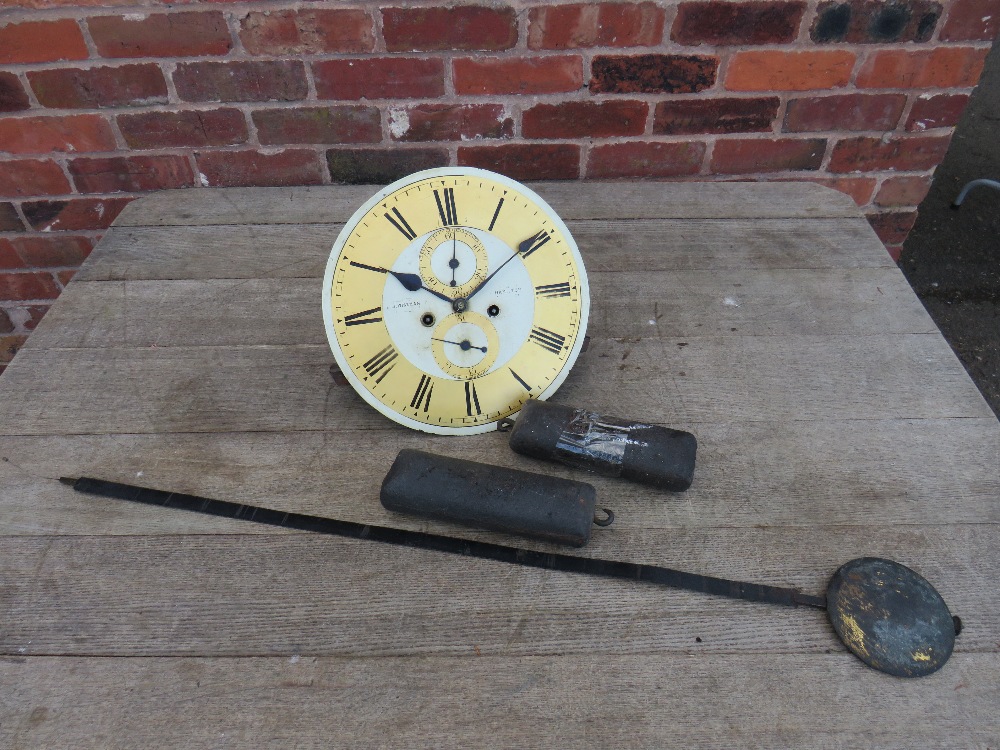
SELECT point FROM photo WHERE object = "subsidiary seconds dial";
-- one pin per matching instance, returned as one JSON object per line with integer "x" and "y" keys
{"x": 452, "y": 297}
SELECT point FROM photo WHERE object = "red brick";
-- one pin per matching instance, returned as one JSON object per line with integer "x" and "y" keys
{"x": 936, "y": 111}
{"x": 450, "y": 122}
{"x": 52, "y": 250}
{"x": 468, "y": 27}
{"x": 6, "y": 326}
{"x": 161, "y": 35}
{"x": 585, "y": 119}
{"x": 217, "y": 127}
{"x": 730, "y": 115}
{"x": 13, "y": 97}
{"x": 892, "y": 227}
{"x": 903, "y": 191}
{"x": 789, "y": 71}
{"x": 369, "y": 166}
{"x": 41, "y": 135}
{"x": 76, "y": 214}
{"x": 241, "y": 81}
{"x": 318, "y": 125}
{"x": 41, "y": 41}
{"x": 9, "y": 259}
{"x": 32, "y": 177}
{"x": 767, "y": 155}
{"x": 525, "y": 161}
{"x": 595, "y": 25}
{"x": 9, "y": 346}
{"x": 844, "y": 112}
{"x": 875, "y": 21}
{"x": 874, "y": 154}
{"x": 723, "y": 23}
{"x": 518, "y": 75}
{"x": 9, "y": 220}
{"x": 860, "y": 189}
{"x": 27, "y": 285}
{"x": 131, "y": 173}
{"x": 645, "y": 160}
{"x": 307, "y": 32}
{"x": 65, "y": 277}
{"x": 972, "y": 20}
{"x": 289, "y": 167}
{"x": 652, "y": 74}
{"x": 943, "y": 67}
{"x": 123, "y": 85}
{"x": 379, "y": 78}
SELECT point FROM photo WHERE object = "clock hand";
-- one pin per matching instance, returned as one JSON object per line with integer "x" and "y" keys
{"x": 453, "y": 263}
{"x": 466, "y": 345}
{"x": 412, "y": 283}
{"x": 522, "y": 247}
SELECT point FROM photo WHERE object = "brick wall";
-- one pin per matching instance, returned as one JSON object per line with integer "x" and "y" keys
{"x": 99, "y": 105}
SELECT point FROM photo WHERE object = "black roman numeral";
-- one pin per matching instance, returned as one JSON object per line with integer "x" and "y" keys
{"x": 365, "y": 316}
{"x": 547, "y": 340}
{"x": 496, "y": 214}
{"x": 423, "y": 394}
{"x": 536, "y": 242}
{"x": 520, "y": 380}
{"x": 449, "y": 215}
{"x": 369, "y": 268}
{"x": 471, "y": 399}
{"x": 382, "y": 362}
{"x": 553, "y": 290}
{"x": 401, "y": 224}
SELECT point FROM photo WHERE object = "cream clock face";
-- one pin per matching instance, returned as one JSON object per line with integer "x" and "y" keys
{"x": 452, "y": 297}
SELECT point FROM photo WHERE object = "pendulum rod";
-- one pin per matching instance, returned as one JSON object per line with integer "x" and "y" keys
{"x": 679, "y": 579}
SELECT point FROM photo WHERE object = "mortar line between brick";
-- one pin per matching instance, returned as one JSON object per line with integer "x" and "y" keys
{"x": 88, "y": 39}
{"x": 904, "y": 116}
{"x": 32, "y": 99}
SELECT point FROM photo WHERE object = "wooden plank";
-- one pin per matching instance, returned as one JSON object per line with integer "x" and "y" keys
{"x": 683, "y": 303}
{"x": 571, "y": 200}
{"x": 796, "y": 473}
{"x": 280, "y": 388}
{"x": 301, "y": 251}
{"x": 272, "y": 594}
{"x": 779, "y": 701}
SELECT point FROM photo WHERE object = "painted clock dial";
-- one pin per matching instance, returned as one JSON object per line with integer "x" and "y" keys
{"x": 452, "y": 297}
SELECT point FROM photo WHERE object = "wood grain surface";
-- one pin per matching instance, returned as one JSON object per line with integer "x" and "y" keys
{"x": 189, "y": 354}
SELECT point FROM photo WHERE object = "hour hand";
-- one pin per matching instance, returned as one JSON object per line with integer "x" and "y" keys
{"x": 527, "y": 244}
{"x": 411, "y": 282}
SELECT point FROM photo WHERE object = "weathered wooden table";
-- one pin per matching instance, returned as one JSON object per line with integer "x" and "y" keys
{"x": 189, "y": 354}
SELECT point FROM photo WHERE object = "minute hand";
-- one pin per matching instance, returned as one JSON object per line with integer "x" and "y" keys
{"x": 522, "y": 248}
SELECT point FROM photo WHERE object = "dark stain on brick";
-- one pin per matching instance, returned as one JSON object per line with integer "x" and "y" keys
{"x": 9, "y": 220}
{"x": 12, "y": 95}
{"x": 926, "y": 25}
{"x": 378, "y": 167}
{"x": 831, "y": 23}
{"x": 875, "y": 22}
{"x": 41, "y": 213}
{"x": 888, "y": 24}
{"x": 652, "y": 74}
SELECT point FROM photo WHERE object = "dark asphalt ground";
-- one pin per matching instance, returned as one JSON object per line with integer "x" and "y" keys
{"x": 952, "y": 258}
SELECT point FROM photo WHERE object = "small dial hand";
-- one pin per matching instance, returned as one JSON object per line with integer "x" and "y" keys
{"x": 453, "y": 263}
{"x": 466, "y": 344}
{"x": 523, "y": 247}
{"x": 412, "y": 283}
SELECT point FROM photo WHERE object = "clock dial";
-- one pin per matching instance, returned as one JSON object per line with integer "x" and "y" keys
{"x": 452, "y": 297}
